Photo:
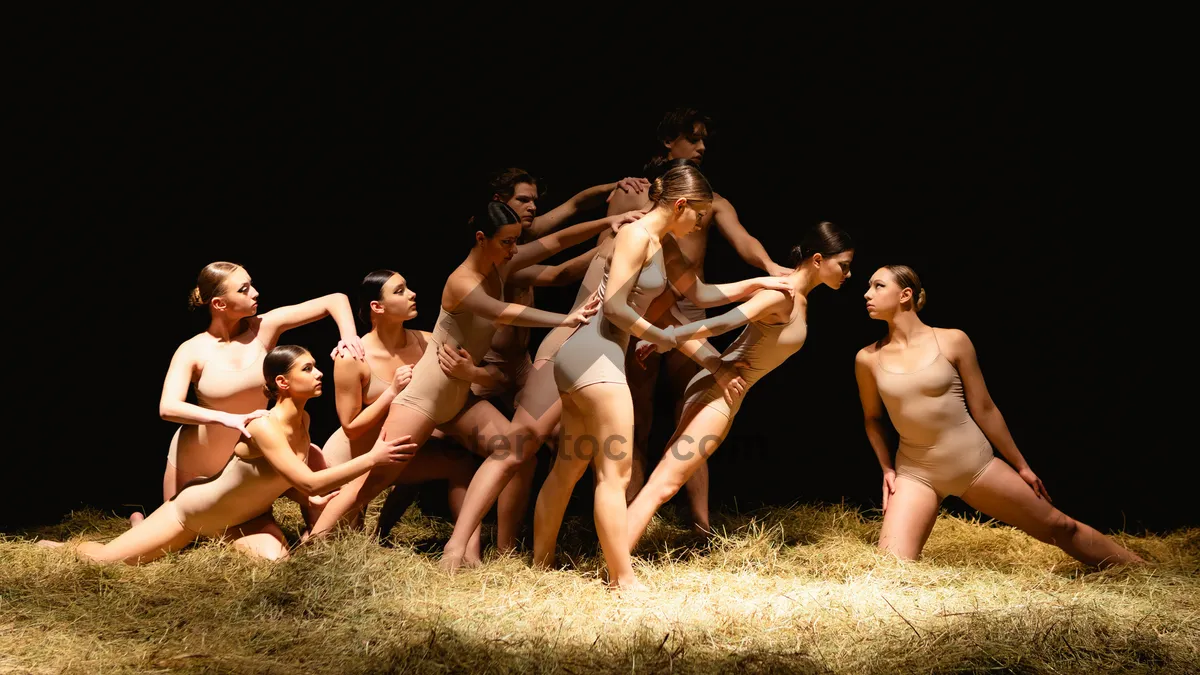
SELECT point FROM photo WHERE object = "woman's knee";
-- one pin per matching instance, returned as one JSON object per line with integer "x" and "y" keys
{"x": 1058, "y": 528}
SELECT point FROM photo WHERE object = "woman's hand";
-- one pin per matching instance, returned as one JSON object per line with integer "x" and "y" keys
{"x": 239, "y": 422}
{"x": 889, "y": 486}
{"x": 350, "y": 346}
{"x": 456, "y": 362}
{"x": 1034, "y": 483}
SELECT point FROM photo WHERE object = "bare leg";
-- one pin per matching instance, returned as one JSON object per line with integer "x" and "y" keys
{"x": 610, "y": 420}
{"x": 485, "y": 431}
{"x": 700, "y": 433}
{"x": 160, "y": 533}
{"x": 1001, "y": 494}
{"x": 261, "y": 538}
{"x": 538, "y": 412}
{"x": 680, "y": 370}
{"x": 574, "y": 455}
{"x": 641, "y": 390}
{"x": 439, "y": 459}
{"x": 356, "y": 495}
{"x": 911, "y": 512}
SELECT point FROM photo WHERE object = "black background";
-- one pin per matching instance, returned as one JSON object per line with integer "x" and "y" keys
{"x": 315, "y": 146}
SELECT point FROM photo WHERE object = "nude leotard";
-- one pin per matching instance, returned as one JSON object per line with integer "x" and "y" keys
{"x": 940, "y": 444}
{"x": 339, "y": 448}
{"x": 232, "y": 391}
{"x": 595, "y": 352}
{"x": 763, "y": 346}
{"x": 245, "y": 489}
{"x": 509, "y": 352}
{"x": 433, "y": 393}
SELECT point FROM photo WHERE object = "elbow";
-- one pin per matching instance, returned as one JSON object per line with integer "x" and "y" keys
{"x": 352, "y": 432}
{"x": 166, "y": 410}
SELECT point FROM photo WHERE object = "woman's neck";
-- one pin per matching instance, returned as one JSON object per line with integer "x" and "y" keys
{"x": 656, "y": 223}
{"x": 904, "y": 326}
{"x": 288, "y": 411}
{"x": 223, "y": 328}
{"x": 804, "y": 279}
{"x": 477, "y": 262}
{"x": 392, "y": 335}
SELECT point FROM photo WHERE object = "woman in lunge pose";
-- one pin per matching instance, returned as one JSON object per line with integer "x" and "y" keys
{"x": 929, "y": 382}
{"x": 277, "y": 459}
{"x": 776, "y": 326}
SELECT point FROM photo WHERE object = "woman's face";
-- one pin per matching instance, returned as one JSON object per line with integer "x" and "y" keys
{"x": 396, "y": 299}
{"x": 884, "y": 296}
{"x": 502, "y": 246}
{"x": 687, "y": 216}
{"x": 240, "y": 298}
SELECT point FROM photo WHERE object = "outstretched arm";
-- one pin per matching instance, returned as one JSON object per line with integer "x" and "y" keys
{"x": 336, "y": 305}
{"x": 682, "y": 273}
{"x": 757, "y": 308}
{"x": 554, "y": 275}
{"x": 590, "y": 198}
{"x": 540, "y": 249}
{"x": 475, "y": 299}
{"x": 747, "y": 246}
{"x": 273, "y": 443}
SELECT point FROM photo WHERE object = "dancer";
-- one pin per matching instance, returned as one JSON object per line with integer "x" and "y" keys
{"x": 507, "y": 366}
{"x": 682, "y": 134}
{"x": 276, "y": 459}
{"x": 225, "y": 365}
{"x": 929, "y": 382}
{"x": 589, "y": 369}
{"x": 471, "y": 309}
{"x": 778, "y": 326}
{"x": 363, "y": 395}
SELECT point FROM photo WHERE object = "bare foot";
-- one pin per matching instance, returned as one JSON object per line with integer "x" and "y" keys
{"x": 451, "y": 560}
{"x": 46, "y": 543}
{"x": 136, "y": 517}
{"x": 702, "y": 529}
{"x": 631, "y": 586}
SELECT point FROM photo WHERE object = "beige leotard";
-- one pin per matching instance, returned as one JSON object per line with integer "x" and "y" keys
{"x": 244, "y": 489}
{"x": 595, "y": 352}
{"x": 238, "y": 391}
{"x": 940, "y": 444}
{"x": 339, "y": 448}
{"x": 433, "y": 393}
{"x": 763, "y": 346}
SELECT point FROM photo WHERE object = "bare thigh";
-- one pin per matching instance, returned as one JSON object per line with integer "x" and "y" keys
{"x": 911, "y": 513}
{"x": 1000, "y": 493}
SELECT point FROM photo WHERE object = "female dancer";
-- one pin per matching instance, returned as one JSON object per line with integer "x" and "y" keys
{"x": 778, "y": 325}
{"x": 225, "y": 364}
{"x": 589, "y": 368}
{"x": 471, "y": 308}
{"x": 276, "y": 457}
{"x": 363, "y": 397}
{"x": 929, "y": 382}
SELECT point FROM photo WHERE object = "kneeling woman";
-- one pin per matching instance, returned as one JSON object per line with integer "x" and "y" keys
{"x": 929, "y": 382}
{"x": 277, "y": 459}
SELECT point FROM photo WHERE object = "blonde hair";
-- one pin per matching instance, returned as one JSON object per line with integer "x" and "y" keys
{"x": 210, "y": 283}
{"x": 907, "y": 277}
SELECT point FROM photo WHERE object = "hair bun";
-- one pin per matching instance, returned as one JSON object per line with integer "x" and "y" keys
{"x": 921, "y": 299}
